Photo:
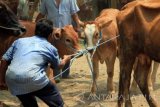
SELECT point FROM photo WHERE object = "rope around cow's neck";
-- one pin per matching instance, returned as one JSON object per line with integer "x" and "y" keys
{"x": 14, "y": 29}
{"x": 83, "y": 52}
{"x": 94, "y": 50}
{"x": 90, "y": 59}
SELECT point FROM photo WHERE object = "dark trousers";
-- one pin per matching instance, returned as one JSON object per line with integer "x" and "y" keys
{"x": 49, "y": 94}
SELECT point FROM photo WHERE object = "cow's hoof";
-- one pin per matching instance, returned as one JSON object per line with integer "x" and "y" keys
{"x": 128, "y": 103}
{"x": 120, "y": 105}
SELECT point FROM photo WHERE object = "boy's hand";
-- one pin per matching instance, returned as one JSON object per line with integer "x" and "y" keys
{"x": 67, "y": 58}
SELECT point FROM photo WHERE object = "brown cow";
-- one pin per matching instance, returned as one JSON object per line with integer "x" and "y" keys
{"x": 65, "y": 40}
{"x": 9, "y": 26}
{"x": 152, "y": 75}
{"x": 138, "y": 25}
{"x": 104, "y": 27}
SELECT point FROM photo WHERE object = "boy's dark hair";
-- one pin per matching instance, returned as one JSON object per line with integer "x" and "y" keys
{"x": 44, "y": 28}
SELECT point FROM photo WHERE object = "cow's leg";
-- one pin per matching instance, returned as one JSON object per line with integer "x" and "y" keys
{"x": 126, "y": 65}
{"x": 134, "y": 84}
{"x": 154, "y": 72}
{"x": 150, "y": 85}
{"x": 95, "y": 63}
{"x": 110, "y": 71}
{"x": 141, "y": 76}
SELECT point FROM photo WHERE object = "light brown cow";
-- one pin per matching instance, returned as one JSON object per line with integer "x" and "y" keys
{"x": 138, "y": 25}
{"x": 103, "y": 27}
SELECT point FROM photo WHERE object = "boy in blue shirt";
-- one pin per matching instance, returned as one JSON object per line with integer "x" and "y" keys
{"x": 28, "y": 59}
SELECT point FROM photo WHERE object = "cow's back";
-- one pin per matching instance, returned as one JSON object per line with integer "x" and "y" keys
{"x": 138, "y": 24}
{"x": 111, "y": 13}
{"x": 105, "y": 17}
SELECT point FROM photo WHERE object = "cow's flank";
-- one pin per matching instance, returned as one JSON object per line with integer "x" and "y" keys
{"x": 138, "y": 25}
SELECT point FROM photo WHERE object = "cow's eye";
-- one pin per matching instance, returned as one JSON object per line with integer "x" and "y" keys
{"x": 68, "y": 40}
{"x": 96, "y": 35}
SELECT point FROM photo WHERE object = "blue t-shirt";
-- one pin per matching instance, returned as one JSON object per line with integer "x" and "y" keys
{"x": 60, "y": 16}
{"x": 29, "y": 59}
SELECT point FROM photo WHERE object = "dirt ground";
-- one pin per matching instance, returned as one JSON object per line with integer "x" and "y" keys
{"x": 76, "y": 91}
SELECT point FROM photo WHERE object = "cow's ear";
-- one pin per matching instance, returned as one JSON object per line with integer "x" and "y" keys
{"x": 57, "y": 33}
{"x": 82, "y": 24}
{"x": 69, "y": 26}
{"x": 105, "y": 23}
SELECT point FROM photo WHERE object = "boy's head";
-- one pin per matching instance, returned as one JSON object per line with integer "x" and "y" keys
{"x": 44, "y": 28}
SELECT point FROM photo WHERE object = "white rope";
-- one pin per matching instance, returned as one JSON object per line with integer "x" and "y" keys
{"x": 104, "y": 42}
{"x": 80, "y": 53}
{"x": 8, "y": 28}
{"x": 83, "y": 52}
{"x": 90, "y": 63}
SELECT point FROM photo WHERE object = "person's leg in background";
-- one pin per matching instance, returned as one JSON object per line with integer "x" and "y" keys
{"x": 57, "y": 75}
{"x": 66, "y": 68}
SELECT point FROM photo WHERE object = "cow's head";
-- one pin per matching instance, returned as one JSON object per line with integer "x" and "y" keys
{"x": 92, "y": 31}
{"x": 65, "y": 40}
{"x": 8, "y": 20}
